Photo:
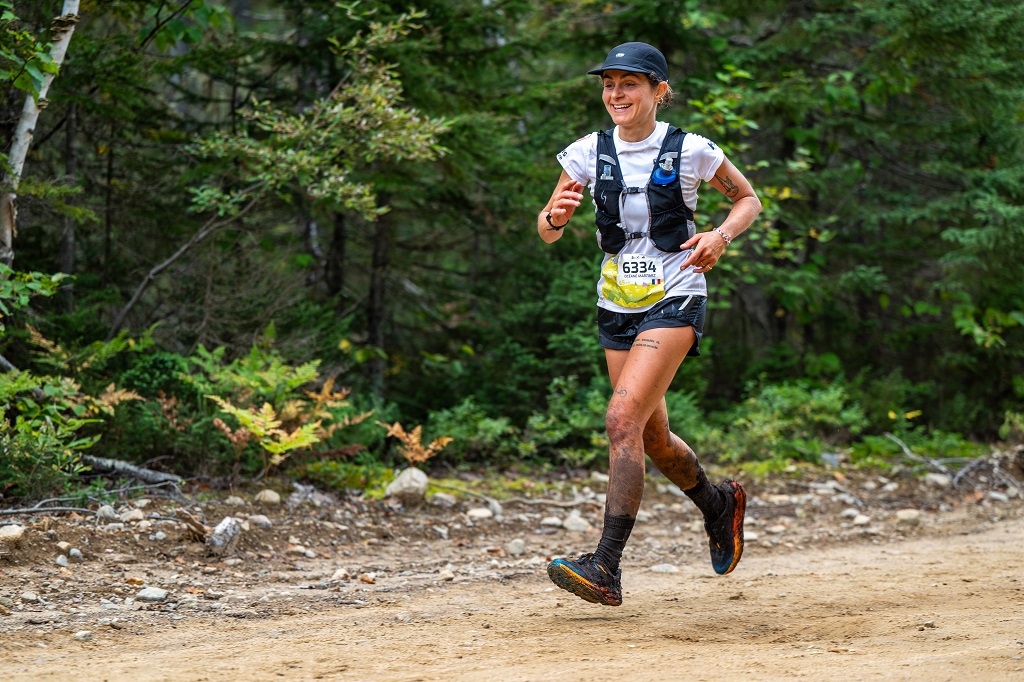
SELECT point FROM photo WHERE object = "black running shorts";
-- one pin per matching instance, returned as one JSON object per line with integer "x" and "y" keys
{"x": 619, "y": 330}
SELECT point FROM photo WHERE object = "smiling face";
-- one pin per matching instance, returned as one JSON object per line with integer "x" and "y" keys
{"x": 631, "y": 101}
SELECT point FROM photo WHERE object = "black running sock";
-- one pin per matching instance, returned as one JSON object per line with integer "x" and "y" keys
{"x": 613, "y": 541}
{"x": 707, "y": 497}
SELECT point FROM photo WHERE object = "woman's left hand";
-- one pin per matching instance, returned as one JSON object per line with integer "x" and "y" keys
{"x": 708, "y": 248}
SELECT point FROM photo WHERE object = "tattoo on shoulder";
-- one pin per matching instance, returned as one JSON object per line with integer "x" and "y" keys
{"x": 730, "y": 187}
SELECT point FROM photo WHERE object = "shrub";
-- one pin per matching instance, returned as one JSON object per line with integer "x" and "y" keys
{"x": 790, "y": 421}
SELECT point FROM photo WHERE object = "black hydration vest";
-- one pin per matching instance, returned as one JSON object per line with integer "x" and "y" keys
{"x": 670, "y": 216}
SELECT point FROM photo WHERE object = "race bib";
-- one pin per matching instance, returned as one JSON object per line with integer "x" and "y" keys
{"x": 639, "y": 270}
{"x": 633, "y": 280}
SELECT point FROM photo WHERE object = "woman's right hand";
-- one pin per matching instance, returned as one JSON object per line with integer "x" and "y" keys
{"x": 565, "y": 201}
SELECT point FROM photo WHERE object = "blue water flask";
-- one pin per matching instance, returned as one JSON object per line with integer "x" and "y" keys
{"x": 664, "y": 173}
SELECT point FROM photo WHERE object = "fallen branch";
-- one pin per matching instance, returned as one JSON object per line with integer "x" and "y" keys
{"x": 104, "y": 465}
{"x": 552, "y": 503}
{"x": 197, "y": 530}
{"x": 492, "y": 503}
{"x": 928, "y": 461}
{"x": 38, "y": 510}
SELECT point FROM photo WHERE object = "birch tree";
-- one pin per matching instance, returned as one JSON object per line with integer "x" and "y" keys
{"x": 61, "y": 30}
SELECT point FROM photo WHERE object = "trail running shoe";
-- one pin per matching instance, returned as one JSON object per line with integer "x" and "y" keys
{"x": 587, "y": 579}
{"x": 725, "y": 534}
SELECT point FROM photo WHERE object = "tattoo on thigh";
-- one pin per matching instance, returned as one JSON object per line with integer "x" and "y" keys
{"x": 648, "y": 343}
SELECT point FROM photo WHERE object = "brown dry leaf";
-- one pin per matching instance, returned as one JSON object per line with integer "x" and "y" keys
{"x": 367, "y": 579}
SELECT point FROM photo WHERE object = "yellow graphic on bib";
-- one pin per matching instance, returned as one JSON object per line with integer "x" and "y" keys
{"x": 628, "y": 295}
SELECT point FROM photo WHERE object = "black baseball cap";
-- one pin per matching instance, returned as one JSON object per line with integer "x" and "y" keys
{"x": 636, "y": 58}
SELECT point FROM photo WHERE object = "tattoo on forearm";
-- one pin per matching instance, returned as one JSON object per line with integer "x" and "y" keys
{"x": 730, "y": 187}
{"x": 621, "y": 391}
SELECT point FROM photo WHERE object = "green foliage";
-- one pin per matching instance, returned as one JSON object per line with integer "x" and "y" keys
{"x": 377, "y": 171}
{"x": 24, "y": 62}
{"x": 364, "y": 474}
{"x": 571, "y": 426}
{"x": 40, "y": 423}
{"x": 476, "y": 437}
{"x": 318, "y": 152}
{"x": 18, "y": 288}
{"x": 883, "y": 452}
{"x": 790, "y": 421}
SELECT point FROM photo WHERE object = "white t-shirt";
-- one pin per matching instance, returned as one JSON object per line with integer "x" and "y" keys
{"x": 699, "y": 159}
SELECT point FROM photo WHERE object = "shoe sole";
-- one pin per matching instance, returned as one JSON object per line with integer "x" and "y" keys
{"x": 739, "y": 496}
{"x": 570, "y": 581}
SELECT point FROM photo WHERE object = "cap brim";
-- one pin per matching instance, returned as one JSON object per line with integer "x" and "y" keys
{"x": 616, "y": 67}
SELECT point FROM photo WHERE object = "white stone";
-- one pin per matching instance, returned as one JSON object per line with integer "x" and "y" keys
{"x": 132, "y": 515}
{"x": 599, "y": 476}
{"x": 75, "y": 554}
{"x": 106, "y": 513}
{"x": 83, "y": 636}
{"x": 11, "y": 535}
{"x": 515, "y": 547}
{"x": 643, "y": 516}
{"x": 908, "y": 517}
{"x": 267, "y": 497}
{"x": 62, "y": 561}
{"x": 664, "y": 568}
{"x": 776, "y": 529}
{"x": 861, "y": 520}
{"x": 750, "y": 536}
{"x": 778, "y": 499}
{"x": 260, "y": 521}
{"x": 997, "y": 496}
{"x": 938, "y": 480}
{"x": 63, "y": 547}
{"x": 410, "y": 486}
{"x": 849, "y": 513}
{"x": 234, "y": 501}
{"x": 297, "y": 549}
{"x": 551, "y": 521}
{"x": 152, "y": 594}
{"x": 479, "y": 513}
{"x": 577, "y": 524}
{"x": 341, "y": 574}
{"x": 446, "y": 576}
{"x": 443, "y": 500}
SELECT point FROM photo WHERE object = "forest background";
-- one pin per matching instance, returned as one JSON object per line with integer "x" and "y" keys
{"x": 259, "y": 236}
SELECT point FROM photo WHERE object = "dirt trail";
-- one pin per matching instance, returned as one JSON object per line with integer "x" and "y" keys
{"x": 931, "y": 608}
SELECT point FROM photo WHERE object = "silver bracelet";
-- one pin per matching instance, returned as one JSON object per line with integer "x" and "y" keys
{"x": 727, "y": 238}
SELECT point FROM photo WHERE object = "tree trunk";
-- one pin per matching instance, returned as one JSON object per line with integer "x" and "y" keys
{"x": 335, "y": 266}
{"x": 376, "y": 312}
{"x": 63, "y": 27}
{"x": 108, "y": 208}
{"x": 67, "y": 240}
